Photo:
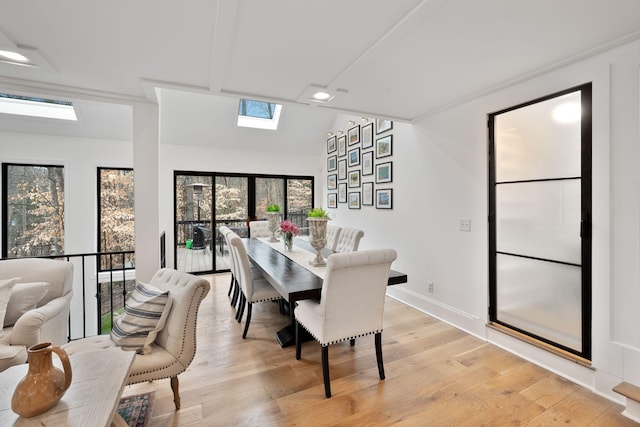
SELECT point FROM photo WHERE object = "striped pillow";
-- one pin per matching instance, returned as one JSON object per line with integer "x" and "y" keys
{"x": 145, "y": 313}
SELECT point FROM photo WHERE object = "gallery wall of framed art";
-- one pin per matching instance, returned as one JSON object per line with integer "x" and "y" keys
{"x": 360, "y": 166}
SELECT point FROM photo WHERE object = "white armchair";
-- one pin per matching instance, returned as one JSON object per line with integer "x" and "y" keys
{"x": 349, "y": 239}
{"x": 33, "y": 322}
{"x": 333, "y": 234}
{"x": 259, "y": 229}
{"x": 175, "y": 345}
{"x": 351, "y": 304}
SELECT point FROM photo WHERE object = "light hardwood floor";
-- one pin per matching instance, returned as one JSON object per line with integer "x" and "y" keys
{"x": 436, "y": 375}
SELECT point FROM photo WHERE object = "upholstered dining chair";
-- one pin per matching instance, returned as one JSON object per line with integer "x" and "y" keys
{"x": 259, "y": 229}
{"x": 349, "y": 239}
{"x": 351, "y": 304}
{"x": 233, "y": 286}
{"x": 333, "y": 233}
{"x": 174, "y": 347}
{"x": 253, "y": 290}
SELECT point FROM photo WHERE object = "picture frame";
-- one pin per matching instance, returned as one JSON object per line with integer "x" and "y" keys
{"x": 342, "y": 146}
{"x": 354, "y": 179}
{"x": 332, "y": 181}
{"x": 367, "y": 163}
{"x": 342, "y": 192}
{"x": 384, "y": 198}
{"x": 383, "y": 125}
{"x": 342, "y": 169}
{"x": 353, "y": 135}
{"x": 354, "y": 200}
{"x": 384, "y": 146}
{"x": 367, "y": 194}
{"x": 366, "y": 135}
{"x": 331, "y": 145}
{"x": 384, "y": 173}
{"x": 332, "y": 163}
{"x": 354, "y": 157}
{"x": 332, "y": 200}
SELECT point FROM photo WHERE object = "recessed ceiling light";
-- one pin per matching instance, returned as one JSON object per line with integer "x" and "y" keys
{"x": 13, "y": 56}
{"x": 321, "y": 96}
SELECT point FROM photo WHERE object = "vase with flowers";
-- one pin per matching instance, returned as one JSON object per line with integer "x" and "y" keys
{"x": 288, "y": 230}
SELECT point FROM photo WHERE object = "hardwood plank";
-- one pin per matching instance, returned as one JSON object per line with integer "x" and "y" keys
{"x": 436, "y": 375}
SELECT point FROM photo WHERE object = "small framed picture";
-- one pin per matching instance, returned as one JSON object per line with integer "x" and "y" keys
{"x": 354, "y": 179}
{"x": 384, "y": 198}
{"x": 354, "y": 157}
{"x": 383, "y": 125}
{"x": 332, "y": 163}
{"x": 332, "y": 182}
{"x": 354, "y": 135}
{"x": 342, "y": 146}
{"x": 383, "y": 173}
{"x": 342, "y": 192}
{"x": 332, "y": 200}
{"x": 383, "y": 146}
{"x": 342, "y": 169}
{"x": 354, "y": 200}
{"x": 367, "y": 194}
{"x": 366, "y": 135}
{"x": 331, "y": 145}
{"x": 367, "y": 163}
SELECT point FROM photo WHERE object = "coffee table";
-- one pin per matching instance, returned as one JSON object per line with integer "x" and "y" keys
{"x": 92, "y": 399}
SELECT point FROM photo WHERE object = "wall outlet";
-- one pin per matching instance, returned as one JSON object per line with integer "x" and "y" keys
{"x": 464, "y": 224}
{"x": 430, "y": 286}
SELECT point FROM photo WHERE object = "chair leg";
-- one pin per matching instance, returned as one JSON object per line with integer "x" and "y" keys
{"x": 231, "y": 286}
{"x": 298, "y": 341}
{"x": 176, "y": 395}
{"x": 243, "y": 303}
{"x": 325, "y": 370}
{"x": 236, "y": 293}
{"x": 352, "y": 342}
{"x": 246, "y": 325}
{"x": 379, "y": 354}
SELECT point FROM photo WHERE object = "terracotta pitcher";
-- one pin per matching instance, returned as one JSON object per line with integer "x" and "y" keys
{"x": 44, "y": 385}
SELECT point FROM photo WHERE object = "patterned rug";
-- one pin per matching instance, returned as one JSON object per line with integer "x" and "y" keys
{"x": 136, "y": 410}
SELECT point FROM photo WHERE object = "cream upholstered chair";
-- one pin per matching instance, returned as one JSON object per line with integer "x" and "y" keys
{"x": 333, "y": 234}
{"x": 31, "y": 321}
{"x": 253, "y": 289}
{"x": 349, "y": 239}
{"x": 351, "y": 304}
{"x": 259, "y": 229}
{"x": 175, "y": 345}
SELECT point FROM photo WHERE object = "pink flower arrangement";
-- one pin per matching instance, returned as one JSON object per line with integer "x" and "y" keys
{"x": 288, "y": 228}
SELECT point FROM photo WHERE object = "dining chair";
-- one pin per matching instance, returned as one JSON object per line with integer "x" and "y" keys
{"x": 252, "y": 289}
{"x": 224, "y": 230}
{"x": 333, "y": 233}
{"x": 349, "y": 239}
{"x": 259, "y": 229}
{"x": 351, "y": 304}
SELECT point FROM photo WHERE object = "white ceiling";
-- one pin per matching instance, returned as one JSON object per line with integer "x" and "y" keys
{"x": 400, "y": 59}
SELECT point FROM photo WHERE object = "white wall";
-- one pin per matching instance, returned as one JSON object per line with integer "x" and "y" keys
{"x": 440, "y": 176}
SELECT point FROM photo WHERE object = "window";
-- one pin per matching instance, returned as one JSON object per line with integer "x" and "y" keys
{"x": 258, "y": 114}
{"x": 33, "y": 210}
{"x": 116, "y": 231}
{"x": 37, "y": 107}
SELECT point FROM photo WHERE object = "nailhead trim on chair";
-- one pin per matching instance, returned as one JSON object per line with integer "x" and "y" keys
{"x": 340, "y": 340}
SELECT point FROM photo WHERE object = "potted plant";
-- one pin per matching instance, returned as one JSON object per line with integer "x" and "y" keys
{"x": 273, "y": 214}
{"x": 317, "y": 219}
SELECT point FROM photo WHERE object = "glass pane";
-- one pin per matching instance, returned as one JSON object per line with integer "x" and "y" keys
{"x": 35, "y": 210}
{"x": 530, "y": 144}
{"x": 232, "y": 210}
{"x": 542, "y": 298}
{"x": 299, "y": 202}
{"x": 540, "y": 219}
{"x": 117, "y": 230}
{"x": 258, "y": 109}
{"x": 268, "y": 191}
{"x": 194, "y": 241}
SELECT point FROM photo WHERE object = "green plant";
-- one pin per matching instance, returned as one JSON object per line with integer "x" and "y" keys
{"x": 318, "y": 213}
{"x": 273, "y": 208}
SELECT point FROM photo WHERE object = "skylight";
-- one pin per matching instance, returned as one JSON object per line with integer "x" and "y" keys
{"x": 259, "y": 114}
{"x": 36, "y": 107}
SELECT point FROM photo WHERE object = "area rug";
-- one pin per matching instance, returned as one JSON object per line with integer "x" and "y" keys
{"x": 136, "y": 410}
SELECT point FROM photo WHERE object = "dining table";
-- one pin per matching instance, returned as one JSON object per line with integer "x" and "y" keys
{"x": 291, "y": 274}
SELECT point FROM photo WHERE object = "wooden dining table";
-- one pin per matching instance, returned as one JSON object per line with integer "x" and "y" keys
{"x": 291, "y": 279}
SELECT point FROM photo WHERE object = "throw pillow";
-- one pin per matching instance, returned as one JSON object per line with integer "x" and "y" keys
{"x": 145, "y": 312}
{"x": 5, "y": 293}
{"x": 24, "y": 297}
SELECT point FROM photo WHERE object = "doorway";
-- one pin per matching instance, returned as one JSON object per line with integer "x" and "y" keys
{"x": 540, "y": 220}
